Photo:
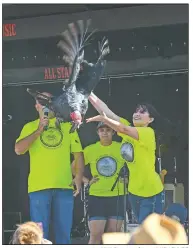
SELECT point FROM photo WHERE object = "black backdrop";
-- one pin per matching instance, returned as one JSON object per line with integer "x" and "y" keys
{"x": 168, "y": 93}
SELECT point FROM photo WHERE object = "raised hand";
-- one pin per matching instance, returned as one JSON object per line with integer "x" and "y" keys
{"x": 97, "y": 118}
{"x": 42, "y": 124}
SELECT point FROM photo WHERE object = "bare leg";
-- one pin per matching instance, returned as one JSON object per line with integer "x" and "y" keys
{"x": 97, "y": 228}
{"x": 114, "y": 225}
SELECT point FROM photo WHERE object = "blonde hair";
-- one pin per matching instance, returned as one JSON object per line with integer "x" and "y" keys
{"x": 27, "y": 233}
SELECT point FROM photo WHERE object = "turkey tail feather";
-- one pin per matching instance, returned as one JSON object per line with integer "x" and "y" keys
{"x": 103, "y": 49}
{"x": 74, "y": 39}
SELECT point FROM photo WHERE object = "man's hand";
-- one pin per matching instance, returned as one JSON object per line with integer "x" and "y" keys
{"x": 42, "y": 124}
{"x": 77, "y": 181}
{"x": 94, "y": 180}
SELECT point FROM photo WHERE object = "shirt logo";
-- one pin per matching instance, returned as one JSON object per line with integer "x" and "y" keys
{"x": 127, "y": 152}
{"x": 52, "y": 137}
{"x": 106, "y": 166}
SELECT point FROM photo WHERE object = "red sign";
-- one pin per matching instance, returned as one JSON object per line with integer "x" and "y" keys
{"x": 57, "y": 73}
{"x": 9, "y": 30}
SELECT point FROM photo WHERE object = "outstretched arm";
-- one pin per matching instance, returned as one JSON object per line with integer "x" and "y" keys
{"x": 115, "y": 125}
{"x": 100, "y": 106}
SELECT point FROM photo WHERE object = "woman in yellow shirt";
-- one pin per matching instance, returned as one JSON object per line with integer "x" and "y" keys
{"x": 138, "y": 149}
{"x": 105, "y": 206}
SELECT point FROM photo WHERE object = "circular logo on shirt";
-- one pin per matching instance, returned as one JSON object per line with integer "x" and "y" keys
{"x": 106, "y": 166}
{"x": 52, "y": 137}
{"x": 127, "y": 152}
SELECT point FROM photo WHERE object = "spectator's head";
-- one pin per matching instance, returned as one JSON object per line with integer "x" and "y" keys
{"x": 156, "y": 229}
{"x": 28, "y": 233}
{"x": 105, "y": 133}
{"x": 177, "y": 212}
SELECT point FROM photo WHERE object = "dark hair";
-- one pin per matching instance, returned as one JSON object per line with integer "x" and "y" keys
{"x": 162, "y": 127}
{"x": 153, "y": 113}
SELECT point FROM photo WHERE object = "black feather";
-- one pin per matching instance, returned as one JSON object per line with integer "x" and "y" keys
{"x": 71, "y": 106}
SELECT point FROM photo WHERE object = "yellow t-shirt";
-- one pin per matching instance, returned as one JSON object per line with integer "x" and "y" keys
{"x": 143, "y": 180}
{"x": 50, "y": 165}
{"x": 105, "y": 162}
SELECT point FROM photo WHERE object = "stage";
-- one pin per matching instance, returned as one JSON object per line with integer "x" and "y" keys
{"x": 149, "y": 62}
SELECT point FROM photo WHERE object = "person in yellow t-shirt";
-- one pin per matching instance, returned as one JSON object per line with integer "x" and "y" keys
{"x": 50, "y": 174}
{"x": 138, "y": 149}
{"x": 105, "y": 206}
